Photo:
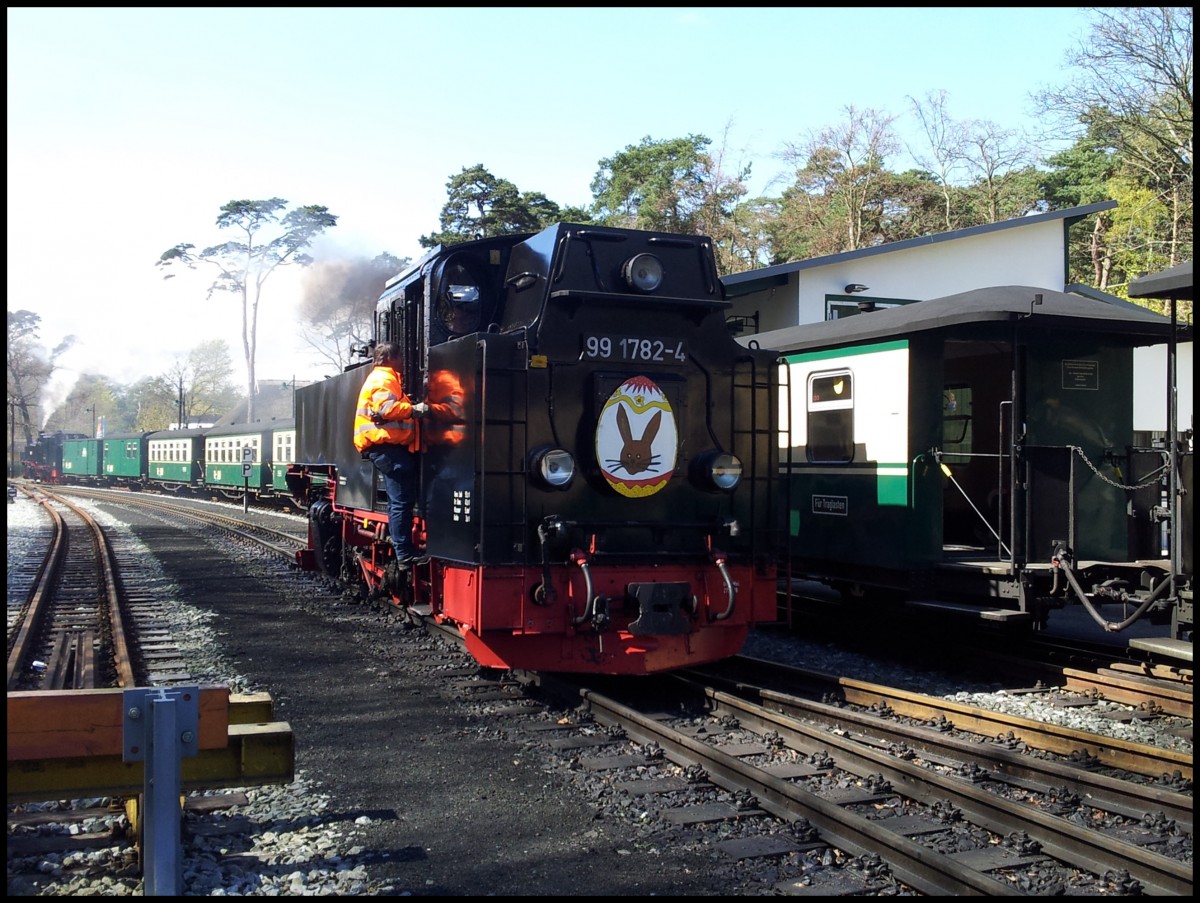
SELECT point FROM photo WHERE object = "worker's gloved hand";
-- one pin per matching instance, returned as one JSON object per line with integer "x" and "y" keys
{"x": 420, "y": 409}
{"x": 376, "y": 418}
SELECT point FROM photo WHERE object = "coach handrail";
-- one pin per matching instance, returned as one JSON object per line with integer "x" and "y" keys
{"x": 937, "y": 454}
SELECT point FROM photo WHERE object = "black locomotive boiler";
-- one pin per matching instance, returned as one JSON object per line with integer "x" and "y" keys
{"x": 596, "y": 492}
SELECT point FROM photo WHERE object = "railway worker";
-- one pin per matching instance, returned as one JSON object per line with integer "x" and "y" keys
{"x": 442, "y": 432}
{"x": 447, "y": 421}
{"x": 386, "y": 432}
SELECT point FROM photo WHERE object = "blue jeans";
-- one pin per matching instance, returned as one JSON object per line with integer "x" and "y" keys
{"x": 398, "y": 467}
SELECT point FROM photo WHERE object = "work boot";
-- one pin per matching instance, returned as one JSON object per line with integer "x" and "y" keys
{"x": 392, "y": 576}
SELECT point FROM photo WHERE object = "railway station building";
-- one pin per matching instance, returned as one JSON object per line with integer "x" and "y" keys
{"x": 1030, "y": 250}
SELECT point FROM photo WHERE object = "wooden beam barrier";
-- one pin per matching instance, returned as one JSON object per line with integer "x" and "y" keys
{"x": 68, "y": 745}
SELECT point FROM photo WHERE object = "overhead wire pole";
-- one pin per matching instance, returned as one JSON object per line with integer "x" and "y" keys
{"x": 1173, "y": 488}
{"x": 12, "y": 437}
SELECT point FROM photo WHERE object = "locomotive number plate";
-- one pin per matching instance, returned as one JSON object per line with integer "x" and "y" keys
{"x": 640, "y": 349}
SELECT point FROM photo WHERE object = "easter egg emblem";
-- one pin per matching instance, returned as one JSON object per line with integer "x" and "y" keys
{"x": 636, "y": 438}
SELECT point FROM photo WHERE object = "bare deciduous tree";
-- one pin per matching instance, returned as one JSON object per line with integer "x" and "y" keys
{"x": 337, "y": 305}
{"x": 29, "y": 370}
{"x": 840, "y": 171}
{"x": 947, "y": 150}
{"x": 1134, "y": 87}
{"x": 245, "y": 264}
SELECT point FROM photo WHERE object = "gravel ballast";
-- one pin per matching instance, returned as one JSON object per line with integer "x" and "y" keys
{"x": 403, "y": 787}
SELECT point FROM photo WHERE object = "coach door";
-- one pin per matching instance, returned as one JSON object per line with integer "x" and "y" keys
{"x": 975, "y": 450}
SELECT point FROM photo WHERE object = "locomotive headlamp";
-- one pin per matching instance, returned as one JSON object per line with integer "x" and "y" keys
{"x": 725, "y": 471}
{"x": 717, "y": 470}
{"x": 554, "y": 467}
{"x": 643, "y": 272}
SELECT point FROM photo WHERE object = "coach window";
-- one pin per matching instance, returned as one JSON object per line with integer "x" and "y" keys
{"x": 956, "y": 422}
{"x": 831, "y": 417}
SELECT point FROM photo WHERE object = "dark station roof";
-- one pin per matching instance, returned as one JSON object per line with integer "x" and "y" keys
{"x": 1173, "y": 282}
{"x": 997, "y": 304}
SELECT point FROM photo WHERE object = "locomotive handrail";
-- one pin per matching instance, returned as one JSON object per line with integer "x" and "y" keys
{"x": 730, "y": 589}
{"x": 580, "y": 559}
{"x": 642, "y": 301}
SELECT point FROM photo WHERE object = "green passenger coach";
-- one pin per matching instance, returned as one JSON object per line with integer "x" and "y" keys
{"x": 176, "y": 459}
{"x": 976, "y": 453}
{"x": 82, "y": 460}
{"x": 125, "y": 457}
{"x": 240, "y": 457}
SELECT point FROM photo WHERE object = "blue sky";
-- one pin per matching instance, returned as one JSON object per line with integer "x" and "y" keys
{"x": 128, "y": 129}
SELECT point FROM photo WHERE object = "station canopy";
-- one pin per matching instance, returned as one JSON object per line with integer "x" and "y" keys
{"x": 1173, "y": 282}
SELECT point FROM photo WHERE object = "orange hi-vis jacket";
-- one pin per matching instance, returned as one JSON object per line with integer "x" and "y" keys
{"x": 446, "y": 424}
{"x": 383, "y": 395}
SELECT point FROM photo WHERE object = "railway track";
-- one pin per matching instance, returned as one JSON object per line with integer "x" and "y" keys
{"x": 252, "y": 527}
{"x": 96, "y": 597}
{"x": 723, "y": 753}
{"x": 93, "y": 616}
{"x": 71, "y": 631}
{"x": 762, "y": 679}
{"x": 897, "y": 801}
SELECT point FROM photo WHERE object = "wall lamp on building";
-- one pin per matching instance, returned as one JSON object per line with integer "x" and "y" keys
{"x": 855, "y": 287}
{"x": 738, "y": 325}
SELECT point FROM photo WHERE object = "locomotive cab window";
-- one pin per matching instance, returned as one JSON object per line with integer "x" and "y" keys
{"x": 459, "y": 310}
{"x": 831, "y": 417}
{"x": 460, "y": 292}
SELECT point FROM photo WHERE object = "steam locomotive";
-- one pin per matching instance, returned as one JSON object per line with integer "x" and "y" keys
{"x": 42, "y": 459}
{"x": 599, "y": 497}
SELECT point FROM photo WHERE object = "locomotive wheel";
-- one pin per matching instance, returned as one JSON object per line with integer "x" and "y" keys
{"x": 327, "y": 533}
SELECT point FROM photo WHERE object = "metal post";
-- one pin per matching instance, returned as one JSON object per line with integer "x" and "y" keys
{"x": 160, "y": 727}
{"x": 247, "y": 463}
{"x": 1173, "y": 449}
{"x": 164, "y": 871}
